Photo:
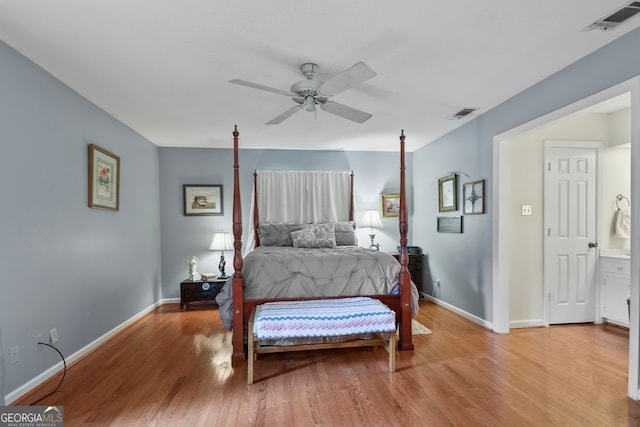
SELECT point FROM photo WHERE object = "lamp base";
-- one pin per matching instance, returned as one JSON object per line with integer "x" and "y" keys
{"x": 221, "y": 266}
{"x": 374, "y": 246}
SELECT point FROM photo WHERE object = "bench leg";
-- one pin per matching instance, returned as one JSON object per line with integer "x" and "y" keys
{"x": 391, "y": 348}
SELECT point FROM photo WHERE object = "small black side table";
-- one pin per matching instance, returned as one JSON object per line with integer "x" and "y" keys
{"x": 200, "y": 291}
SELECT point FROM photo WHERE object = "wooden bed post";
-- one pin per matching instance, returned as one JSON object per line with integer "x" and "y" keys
{"x": 238, "y": 309}
{"x": 405, "y": 342}
{"x": 256, "y": 213}
{"x": 352, "y": 209}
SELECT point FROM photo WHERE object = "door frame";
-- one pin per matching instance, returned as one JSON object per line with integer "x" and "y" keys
{"x": 598, "y": 146}
{"x": 501, "y": 208}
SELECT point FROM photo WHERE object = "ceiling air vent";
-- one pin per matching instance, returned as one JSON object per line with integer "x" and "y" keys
{"x": 462, "y": 113}
{"x": 616, "y": 18}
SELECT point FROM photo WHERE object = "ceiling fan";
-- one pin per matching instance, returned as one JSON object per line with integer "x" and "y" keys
{"x": 309, "y": 93}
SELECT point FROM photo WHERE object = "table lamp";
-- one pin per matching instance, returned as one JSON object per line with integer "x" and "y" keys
{"x": 221, "y": 242}
{"x": 371, "y": 219}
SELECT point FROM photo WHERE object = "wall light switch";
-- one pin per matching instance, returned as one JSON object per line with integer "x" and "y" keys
{"x": 526, "y": 210}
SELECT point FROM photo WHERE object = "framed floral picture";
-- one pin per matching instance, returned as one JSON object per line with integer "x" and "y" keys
{"x": 447, "y": 196}
{"x": 473, "y": 197}
{"x": 104, "y": 179}
{"x": 390, "y": 204}
{"x": 202, "y": 199}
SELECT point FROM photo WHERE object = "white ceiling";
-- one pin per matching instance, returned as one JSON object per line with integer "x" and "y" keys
{"x": 162, "y": 66}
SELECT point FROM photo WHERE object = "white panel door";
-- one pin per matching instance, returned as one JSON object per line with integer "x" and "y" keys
{"x": 570, "y": 228}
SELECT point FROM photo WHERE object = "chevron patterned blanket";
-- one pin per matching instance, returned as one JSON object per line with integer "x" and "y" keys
{"x": 323, "y": 318}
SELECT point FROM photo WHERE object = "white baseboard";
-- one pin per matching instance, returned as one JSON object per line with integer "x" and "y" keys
{"x": 30, "y": 385}
{"x": 472, "y": 317}
{"x": 536, "y": 323}
{"x": 615, "y": 322}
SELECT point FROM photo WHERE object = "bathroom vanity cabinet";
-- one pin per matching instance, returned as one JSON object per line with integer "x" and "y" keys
{"x": 615, "y": 284}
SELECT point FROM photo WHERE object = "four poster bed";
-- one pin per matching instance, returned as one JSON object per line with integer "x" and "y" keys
{"x": 268, "y": 264}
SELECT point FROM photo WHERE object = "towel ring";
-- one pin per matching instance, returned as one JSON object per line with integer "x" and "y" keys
{"x": 620, "y": 197}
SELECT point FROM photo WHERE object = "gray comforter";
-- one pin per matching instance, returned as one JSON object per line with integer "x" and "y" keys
{"x": 287, "y": 272}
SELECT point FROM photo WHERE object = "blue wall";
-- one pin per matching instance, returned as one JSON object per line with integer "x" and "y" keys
{"x": 83, "y": 271}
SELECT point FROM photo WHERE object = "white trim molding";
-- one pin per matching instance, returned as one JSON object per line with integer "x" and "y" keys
{"x": 471, "y": 317}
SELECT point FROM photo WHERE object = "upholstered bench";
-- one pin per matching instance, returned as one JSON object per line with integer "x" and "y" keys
{"x": 283, "y": 326}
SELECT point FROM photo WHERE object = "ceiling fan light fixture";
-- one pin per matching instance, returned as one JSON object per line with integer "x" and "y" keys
{"x": 309, "y": 103}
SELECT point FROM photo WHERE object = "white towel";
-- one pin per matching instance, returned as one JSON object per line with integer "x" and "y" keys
{"x": 623, "y": 223}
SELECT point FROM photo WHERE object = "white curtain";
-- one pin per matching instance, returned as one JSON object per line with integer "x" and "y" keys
{"x": 301, "y": 196}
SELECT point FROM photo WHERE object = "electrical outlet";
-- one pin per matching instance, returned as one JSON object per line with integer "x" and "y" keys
{"x": 526, "y": 210}
{"x": 53, "y": 336}
{"x": 36, "y": 340}
{"x": 14, "y": 357}
{"x": 436, "y": 283}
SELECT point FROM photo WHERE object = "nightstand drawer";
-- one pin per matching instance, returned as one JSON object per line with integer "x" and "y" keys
{"x": 199, "y": 291}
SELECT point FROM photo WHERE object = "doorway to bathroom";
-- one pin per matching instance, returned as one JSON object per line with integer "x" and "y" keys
{"x": 519, "y": 299}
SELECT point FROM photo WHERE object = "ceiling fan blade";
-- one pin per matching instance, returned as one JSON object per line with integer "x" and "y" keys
{"x": 282, "y": 117}
{"x": 261, "y": 87}
{"x": 349, "y": 78}
{"x": 346, "y": 112}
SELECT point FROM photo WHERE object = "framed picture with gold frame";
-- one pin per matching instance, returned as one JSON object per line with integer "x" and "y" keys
{"x": 104, "y": 179}
{"x": 390, "y": 204}
{"x": 447, "y": 195}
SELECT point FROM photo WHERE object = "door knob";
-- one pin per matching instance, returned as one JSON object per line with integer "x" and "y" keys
{"x": 593, "y": 244}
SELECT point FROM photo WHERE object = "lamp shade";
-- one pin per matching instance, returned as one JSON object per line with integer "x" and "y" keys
{"x": 221, "y": 241}
{"x": 371, "y": 219}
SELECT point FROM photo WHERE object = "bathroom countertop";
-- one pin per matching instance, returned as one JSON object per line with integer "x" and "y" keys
{"x": 615, "y": 253}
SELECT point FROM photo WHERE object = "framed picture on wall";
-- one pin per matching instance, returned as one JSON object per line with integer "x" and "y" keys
{"x": 473, "y": 197}
{"x": 451, "y": 224}
{"x": 390, "y": 204}
{"x": 202, "y": 199}
{"x": 447, "y": 196}
{"x": 104, "y": 179}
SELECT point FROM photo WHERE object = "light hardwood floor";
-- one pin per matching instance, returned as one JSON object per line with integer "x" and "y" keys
{"x": 173, "y": 368}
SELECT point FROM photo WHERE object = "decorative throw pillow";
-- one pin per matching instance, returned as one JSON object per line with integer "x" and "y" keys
{"x": 277, "y": 234}
{"x": 345, "y": 233}
{"x": 314, "y": 236}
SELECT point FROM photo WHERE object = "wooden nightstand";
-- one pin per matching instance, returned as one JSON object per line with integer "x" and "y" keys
{"x": 200, "y": 291}
{"x": 415, "y": 268}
